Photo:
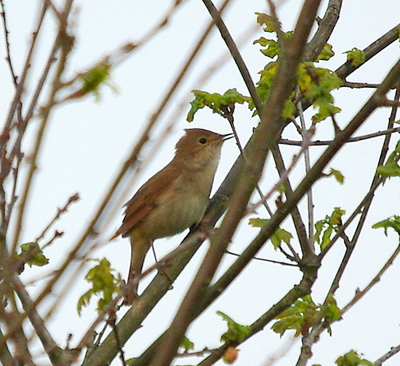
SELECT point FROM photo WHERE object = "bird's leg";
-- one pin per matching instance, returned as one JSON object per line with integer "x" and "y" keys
{"x": 161, "y": 266}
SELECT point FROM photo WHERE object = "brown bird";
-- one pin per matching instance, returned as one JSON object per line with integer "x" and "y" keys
{"x": 174, "y": 199}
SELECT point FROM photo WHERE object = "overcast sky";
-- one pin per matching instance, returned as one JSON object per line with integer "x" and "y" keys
{"x": 88, "y": 141}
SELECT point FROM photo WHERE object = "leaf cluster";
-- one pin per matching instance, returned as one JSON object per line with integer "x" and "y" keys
{"x": 325, "y": 228}
{"x": 390, "y": 168}
{"x": 303, "y": 314}
{"x": 104, "y": 285}
{"x": 352, "y": 358}
{"x": 314, "y": 83}
{"x": 355, "y": 56}
{"x": 235, "y": 332}
{"x": 31, "y": 254}
{"x": 392, "y": 222}
{"x": 220, "y": 104}
{"x": 279, "y": 236}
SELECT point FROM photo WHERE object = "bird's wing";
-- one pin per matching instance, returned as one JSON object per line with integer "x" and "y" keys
{"x": 146, "y": 199}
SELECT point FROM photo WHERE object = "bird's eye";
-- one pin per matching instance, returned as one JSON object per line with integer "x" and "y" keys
{"x": 202, "y": 140}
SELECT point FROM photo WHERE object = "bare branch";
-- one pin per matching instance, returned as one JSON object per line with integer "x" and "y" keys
{"x": 351, "y": 139}
{"x": 75, "y": 197}
{"x": 393, "y": 351}
{"x": 7, "y": 41}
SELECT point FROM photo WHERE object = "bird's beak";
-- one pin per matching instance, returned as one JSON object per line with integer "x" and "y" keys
{"x": 227, "y": 136}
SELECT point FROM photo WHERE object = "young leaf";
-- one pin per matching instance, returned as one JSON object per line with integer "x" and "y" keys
{"x": 104, "y": 285}
{"x": 391, "y": 168}
{"x": 218, "y": 103}
{"x": 235, "y": 332}
{"x": 355, "y": 56}
{"x": 93, "y": 78}
{"x": 352, "y": 358}
{"x": 279, "y": 236}
{"x": 267, "y": 21}
{"x": 186, "y": 344}
{"x": 326, "y": 227}
{"x": 32, "y": 254}
{"x": 338, "y": 175}
{"x": 392, "y": 222}
{"x": 316, "y": 84}
{"x": 326, "y": 53}
{"x": 304, "y": 313}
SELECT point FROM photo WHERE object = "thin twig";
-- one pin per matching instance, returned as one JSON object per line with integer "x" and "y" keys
{"x": 115, "y": 58}
{"x": 27, "y": 66}
{"x": 361, "y": 293}
{"x": 307, "y": 163}
{"x": 65, "y": 42}
{"x": 75, "y": 197}
{"x": 354, "y": 85}
{"x": 7, "y": 41}
{"x": 307, "y": 135}
{"x": 351, "y": 139}
{"x": 387, "y": 355}
{"x": 265, "y": 260}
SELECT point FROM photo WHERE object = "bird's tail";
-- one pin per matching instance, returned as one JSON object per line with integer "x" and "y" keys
{"x": 139, "y": 249}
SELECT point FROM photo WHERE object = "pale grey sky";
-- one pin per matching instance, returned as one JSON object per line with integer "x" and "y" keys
{"x": 88, "y": 141}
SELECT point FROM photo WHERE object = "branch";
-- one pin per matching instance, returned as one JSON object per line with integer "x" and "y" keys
{"x": 54, "y": 352}
{"x": 373, "y": 49}
{"x": 75, "y": 197}
{"x": 236, "y": 56}
{"x": 326, "y": 25}
{"x": 7, "y": 41}
{"x": 351, "y": 139}
{"x": 361, "y": 293}
{"x": 387, "y": 355}
{"x": 353, "y": 85}
{"x": 21, "y": 84}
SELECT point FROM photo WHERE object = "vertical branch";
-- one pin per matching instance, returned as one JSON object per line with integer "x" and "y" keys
{"x": 7, "y": 42}
{"x": 307, "y": 163}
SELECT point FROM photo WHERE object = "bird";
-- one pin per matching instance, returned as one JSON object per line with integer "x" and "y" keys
{"x": 174, "y": 199}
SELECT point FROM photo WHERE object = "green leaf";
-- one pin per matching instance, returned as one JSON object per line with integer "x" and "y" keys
{"x": 316, "y": 84}
{"x": 338, "y": 175}
{"x": 92, "y": 79}
{"x": 271, "y": 49}
{"x": 304, "y": 314}
{"x": 298, "y": 317}
{"x": 326, "y": 53}
{"x": 220, "y": 104}
{"x": 267, "y": 21}
{"x": 325, "y": 228}
{"x": 236, "y": 331}
{"x": 355, "y": 56}
{"x": 279, "y": 236}
{"x": 186, "y": 344}
{"x": 33, "y": 255}
{"x": 390, "y": 168}
{"x": 352, "y": 358}
{"x": 392, "y": 222}
{"x": 104, "y": 285}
